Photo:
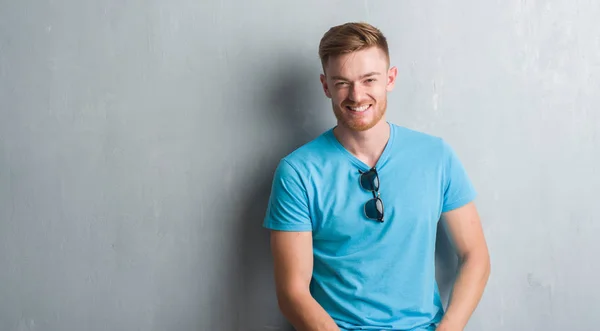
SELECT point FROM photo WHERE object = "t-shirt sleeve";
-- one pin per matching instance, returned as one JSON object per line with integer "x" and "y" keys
{"x": 287, "y": 209}
{"x": 458, "y": 189}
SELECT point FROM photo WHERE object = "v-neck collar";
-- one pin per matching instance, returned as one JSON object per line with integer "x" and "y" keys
{"x": 356, "y": 161}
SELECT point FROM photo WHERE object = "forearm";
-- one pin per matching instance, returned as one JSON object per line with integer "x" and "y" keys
{"x": 467, "y": 291}
{"x": 305, "y": 313}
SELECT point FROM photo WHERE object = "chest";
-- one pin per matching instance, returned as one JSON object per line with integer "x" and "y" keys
{"x": 411, "y": 195}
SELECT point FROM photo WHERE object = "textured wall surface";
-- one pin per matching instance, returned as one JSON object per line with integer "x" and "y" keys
{"x": 138, "y": 141}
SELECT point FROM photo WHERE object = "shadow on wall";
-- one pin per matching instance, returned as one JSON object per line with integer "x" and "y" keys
{"x": 289, "y": 104}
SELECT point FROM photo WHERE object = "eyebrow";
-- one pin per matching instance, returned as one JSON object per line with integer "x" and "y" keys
{"x": 373, "y": 73}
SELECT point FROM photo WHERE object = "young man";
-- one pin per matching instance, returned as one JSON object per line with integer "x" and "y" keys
{"x": 354, "y": 212}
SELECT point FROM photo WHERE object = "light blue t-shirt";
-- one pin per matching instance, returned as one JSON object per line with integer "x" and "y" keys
{"x": 370, "y": 275}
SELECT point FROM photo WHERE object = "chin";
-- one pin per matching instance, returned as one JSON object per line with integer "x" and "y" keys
{"x": 358, "y": 123}
{"x": 362, "y": 126}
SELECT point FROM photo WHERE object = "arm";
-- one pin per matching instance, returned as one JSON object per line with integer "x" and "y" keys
{"x": 466, "y": 233}
{"x": 293, "y": 261}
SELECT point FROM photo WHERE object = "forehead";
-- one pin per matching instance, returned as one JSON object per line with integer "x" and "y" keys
{"x": 355, "y": 64}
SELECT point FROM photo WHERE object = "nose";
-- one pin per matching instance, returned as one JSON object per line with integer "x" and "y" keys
{"x": 356, "y": 93}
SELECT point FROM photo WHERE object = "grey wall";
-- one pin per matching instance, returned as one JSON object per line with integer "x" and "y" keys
{"x": 138, "y": 140}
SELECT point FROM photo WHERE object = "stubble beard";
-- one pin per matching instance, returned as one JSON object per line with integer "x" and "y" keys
{"x": 357, "y": 125}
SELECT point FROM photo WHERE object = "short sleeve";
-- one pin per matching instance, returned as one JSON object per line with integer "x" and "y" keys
{"x": 458, "y": 189}
{"x": 287, "y": 209}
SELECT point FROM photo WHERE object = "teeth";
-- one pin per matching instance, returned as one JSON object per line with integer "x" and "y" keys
{"x": 363, "y": 108}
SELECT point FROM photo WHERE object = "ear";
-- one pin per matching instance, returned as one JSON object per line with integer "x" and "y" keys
{"x": 325, "y": 87}
{"x": 391, "y": 78}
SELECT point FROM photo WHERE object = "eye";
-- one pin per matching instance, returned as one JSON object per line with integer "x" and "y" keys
{"x": 370, "y": 80}
{"x": 341, "y": 84}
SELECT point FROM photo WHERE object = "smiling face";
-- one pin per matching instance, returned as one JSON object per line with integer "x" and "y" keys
{"x": 357, "y": 84}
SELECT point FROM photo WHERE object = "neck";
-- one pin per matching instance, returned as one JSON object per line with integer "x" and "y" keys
{"x": 366, "y": 145}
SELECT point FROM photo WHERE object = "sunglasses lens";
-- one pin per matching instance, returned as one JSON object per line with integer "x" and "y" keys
{"x": 370, "y": 181}
{"x": 374, "y": 209}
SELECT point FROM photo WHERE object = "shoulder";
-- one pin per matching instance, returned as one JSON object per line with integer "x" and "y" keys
{"x": 420, "y": 142}
{"x": 294, "y": 172}
{"x": 314, "y": 153}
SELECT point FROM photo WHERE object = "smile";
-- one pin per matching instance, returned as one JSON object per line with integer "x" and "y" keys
{"x": 359, "y": 109}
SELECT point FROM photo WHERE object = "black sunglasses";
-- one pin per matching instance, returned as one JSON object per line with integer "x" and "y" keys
{"x": 373, "y": 208}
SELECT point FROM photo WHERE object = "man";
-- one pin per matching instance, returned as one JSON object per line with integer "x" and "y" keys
{"x": 354, "y": 212}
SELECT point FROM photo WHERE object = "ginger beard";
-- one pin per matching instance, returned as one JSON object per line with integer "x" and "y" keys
{"x": 359, "y": 121}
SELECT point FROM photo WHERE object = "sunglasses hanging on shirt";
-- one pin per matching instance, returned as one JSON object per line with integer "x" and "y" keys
{"x": 373, "y": 208}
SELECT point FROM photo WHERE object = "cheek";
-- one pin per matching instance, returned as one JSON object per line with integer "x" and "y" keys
{"x": 378, "y": 93}
{"x": 338, "y": 96}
